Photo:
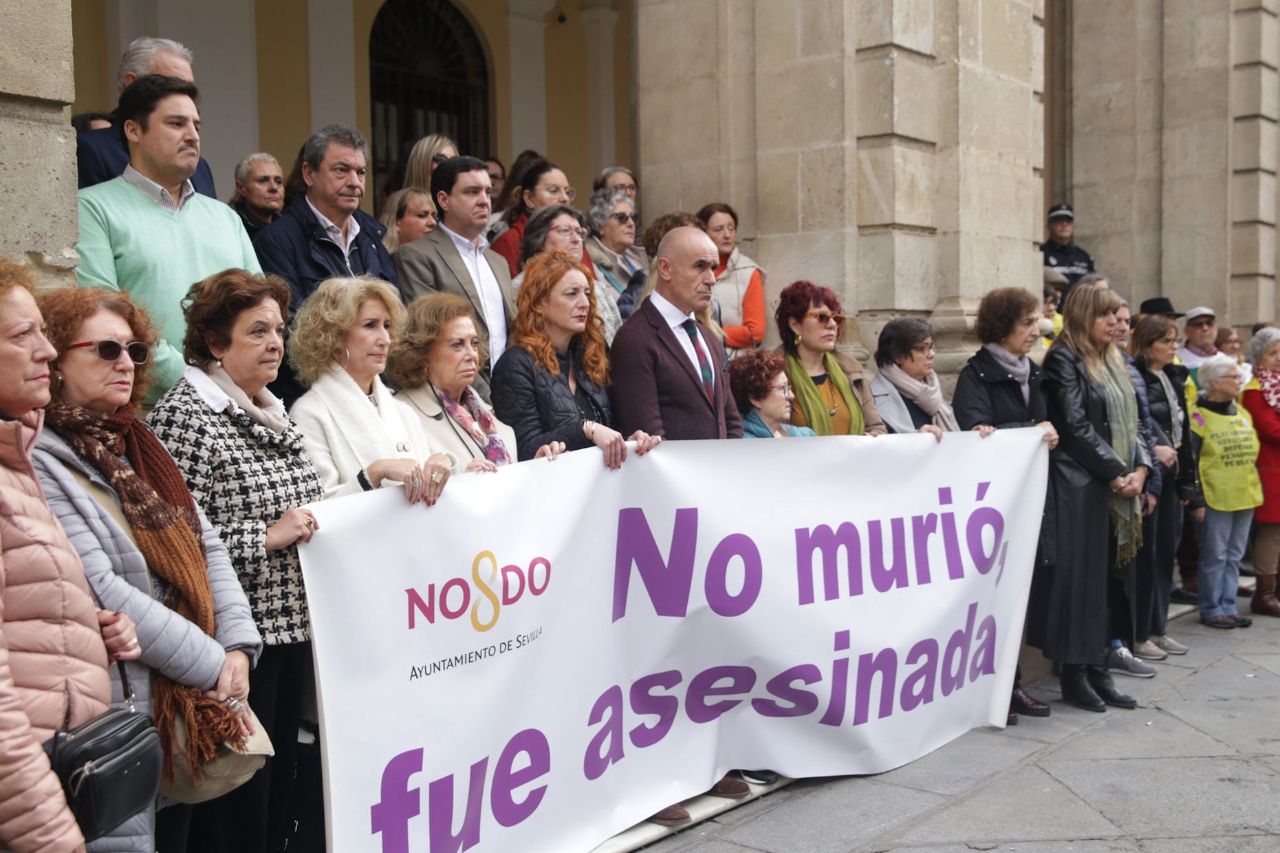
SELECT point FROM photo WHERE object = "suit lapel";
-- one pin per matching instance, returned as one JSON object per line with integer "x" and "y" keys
{"x": 453, "y": 260}
{"x": 667, "y": 336}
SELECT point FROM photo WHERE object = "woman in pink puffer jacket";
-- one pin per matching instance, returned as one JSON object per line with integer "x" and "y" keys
{"x": 53, "y": 662}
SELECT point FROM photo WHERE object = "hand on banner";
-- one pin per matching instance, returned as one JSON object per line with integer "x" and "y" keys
{"x": 933, "y": 431}
{"x": 610, "y": 442}
{"x": 296, "y": 525}
{"x": 644, "y": 441}
{"x": 399, "y": 471}
{"x": 436, "y": 471}
{"x": 481, "y": 465}
{"x": 550, "y": 450}
{"x": 984, "y": 430}
{"x": 1050, "y": 434}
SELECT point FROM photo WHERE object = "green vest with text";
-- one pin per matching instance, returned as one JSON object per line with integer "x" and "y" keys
{"x": 1228, "y": 459}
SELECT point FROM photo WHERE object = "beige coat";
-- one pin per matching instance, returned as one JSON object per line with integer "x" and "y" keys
{"x": 53, "y": 665}
{"x": 444, "y": 434}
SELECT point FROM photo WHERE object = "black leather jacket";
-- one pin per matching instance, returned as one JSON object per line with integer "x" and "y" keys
{"x": 539, "y": 406}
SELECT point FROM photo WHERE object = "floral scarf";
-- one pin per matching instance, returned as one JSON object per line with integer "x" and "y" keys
{"x": 475, "y": 419}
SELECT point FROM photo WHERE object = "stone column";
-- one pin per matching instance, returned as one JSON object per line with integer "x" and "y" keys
{"x": 37, "y": 144}
{"x": 890, "y": 149}
{"x": 987, "y": 194}
{"x": 526, "y": 27}
{"x": 600, "y": 18}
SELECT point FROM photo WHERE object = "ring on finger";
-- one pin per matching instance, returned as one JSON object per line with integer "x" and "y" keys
{"x": 437, "y": 476}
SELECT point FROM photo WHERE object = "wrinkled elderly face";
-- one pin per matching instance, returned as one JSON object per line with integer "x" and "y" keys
{"x": 264, "y": 191}
{"x": 25, "y": 354}
{"x": 685, "y": 279}
{"x": 1201, "y": 332}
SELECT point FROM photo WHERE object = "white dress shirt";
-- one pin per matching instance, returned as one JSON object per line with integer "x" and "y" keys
{"x": 342, "y": 241}
{"x": 491, "y": 302}
{"x": 157, "y": 193}
{"x": 675, "y": 319}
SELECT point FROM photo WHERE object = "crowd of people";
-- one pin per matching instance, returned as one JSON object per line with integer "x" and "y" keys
{"x": 223, "y": 365}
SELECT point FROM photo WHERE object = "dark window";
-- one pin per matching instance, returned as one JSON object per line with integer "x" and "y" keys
{"x": 428, "y": 74}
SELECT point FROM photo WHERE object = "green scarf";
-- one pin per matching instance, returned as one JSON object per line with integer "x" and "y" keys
{"x": 815, "y": 410}
{"x": 1122, "y": 412}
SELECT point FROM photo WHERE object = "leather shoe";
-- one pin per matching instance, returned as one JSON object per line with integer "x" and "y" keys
{"x": 1184, "y": 596}
{"x": 1024, "y": 703}
{"x": 671, "y": 816}
{"x": 1241, "y": 621}
{"x": 731, "y": 788}
{"x": 1012, "y": 719}
{"x": 1101, "y": 682}
{"x": 1076, "y": 690}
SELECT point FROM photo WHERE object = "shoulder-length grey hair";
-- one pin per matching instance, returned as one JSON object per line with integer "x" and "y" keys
{"x": 602, "y": 205}
{"x": 539, "y": 226}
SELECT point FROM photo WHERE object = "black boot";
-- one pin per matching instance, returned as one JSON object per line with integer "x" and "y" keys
{"x": 1103, "y": 685}
{"x": 1076, "y": 690}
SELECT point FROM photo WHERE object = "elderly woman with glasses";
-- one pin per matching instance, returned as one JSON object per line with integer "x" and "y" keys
{"x": 1228, "y": 447}
{"x": 619, "y": 262}
{"x": 832, "y": 394}
{"x": 906, "y": 390}
{"x": 560, "y": 228}
{"x": 763, "y": 394}
{"x": 739, "y": 286}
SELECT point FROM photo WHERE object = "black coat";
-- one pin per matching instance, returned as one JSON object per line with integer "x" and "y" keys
{"x": 986, "y": 393}
{"x": 539, "y": 406}
{"x": 1188, "y": 468}
{"x": 296, "y": 248}
{"x": 1080, "y": 471}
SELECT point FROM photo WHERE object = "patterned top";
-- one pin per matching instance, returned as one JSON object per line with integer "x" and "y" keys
{"x": 245, "y": 476}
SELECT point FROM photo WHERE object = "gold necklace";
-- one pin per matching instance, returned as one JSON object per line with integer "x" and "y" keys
{"x": 830, "y": 394}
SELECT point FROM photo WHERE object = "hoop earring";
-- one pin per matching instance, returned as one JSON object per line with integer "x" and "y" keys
{"x": 343, "y": 365}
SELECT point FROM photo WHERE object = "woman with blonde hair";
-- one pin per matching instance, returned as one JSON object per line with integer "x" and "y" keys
{"x": 359, "y": 436}
{"x": 408, "y": 214}
{"x": 1097, "y": 474}
{"x": 427, "y": 153}
{"x": 551, "y": 383}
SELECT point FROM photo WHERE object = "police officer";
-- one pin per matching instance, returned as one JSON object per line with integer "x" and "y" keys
{"x": 1059, "y": 252}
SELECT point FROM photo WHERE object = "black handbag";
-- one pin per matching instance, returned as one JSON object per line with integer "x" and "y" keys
{"x": 109, "y": 767}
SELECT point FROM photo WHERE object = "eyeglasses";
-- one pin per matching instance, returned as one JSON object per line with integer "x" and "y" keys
{"x": 569, "y": 231}
{"x": 825, "y": 317}
{"x": 569, "y": 192}
{"x": 630, "y": 189}
{"x": 138, "y": 352}
{"x": 623, "y": 218}
{"x": 924, "y": 349}
{"x": 784, "y": 389}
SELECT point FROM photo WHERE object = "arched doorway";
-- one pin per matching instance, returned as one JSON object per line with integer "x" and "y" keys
{"x": 428, "y": 74}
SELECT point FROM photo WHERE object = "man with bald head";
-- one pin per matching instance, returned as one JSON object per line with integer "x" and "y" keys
{"x": 102, "y": 154}
{"x": 669, "y": 376}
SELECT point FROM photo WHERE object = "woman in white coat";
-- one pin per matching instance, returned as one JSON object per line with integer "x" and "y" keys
{"x": 359, "y": 436}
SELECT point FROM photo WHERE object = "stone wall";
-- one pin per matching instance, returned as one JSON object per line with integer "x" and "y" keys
{"x": 37, "y": 145}
{"x": 1174, "y": 149}
{"x": 890, "y": 149}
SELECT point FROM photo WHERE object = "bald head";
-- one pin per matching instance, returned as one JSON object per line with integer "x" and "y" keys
{"x": 687, "y": 262}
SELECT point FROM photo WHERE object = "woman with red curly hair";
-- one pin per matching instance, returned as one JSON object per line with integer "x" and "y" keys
{"x": 550, "y": 384}
{"x": 763, "y": 394}
{"x": 831, "y": 392}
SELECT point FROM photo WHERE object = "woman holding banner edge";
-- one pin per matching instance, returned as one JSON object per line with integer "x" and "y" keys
{"x": 1097, "y": 474}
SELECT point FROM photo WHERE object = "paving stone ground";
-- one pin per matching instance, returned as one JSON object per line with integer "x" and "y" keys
{"x": 1195, "y": 769}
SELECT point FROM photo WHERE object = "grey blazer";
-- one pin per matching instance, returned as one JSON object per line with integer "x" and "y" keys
{"x": 432, "y": 264}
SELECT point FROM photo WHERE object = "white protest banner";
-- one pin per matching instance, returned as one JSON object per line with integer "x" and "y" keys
{"x": 556, "y": 651}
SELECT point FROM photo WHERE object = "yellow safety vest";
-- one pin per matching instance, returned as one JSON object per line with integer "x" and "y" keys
{"x": 1228, "y": 459}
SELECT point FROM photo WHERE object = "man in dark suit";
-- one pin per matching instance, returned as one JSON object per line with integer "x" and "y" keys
{"x": 669, "y": 376}
{"x": 102, "y": 154}
{"x": 456, "y": 258}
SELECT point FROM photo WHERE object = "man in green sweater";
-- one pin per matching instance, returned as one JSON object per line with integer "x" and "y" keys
{"x": 148, "y": 232}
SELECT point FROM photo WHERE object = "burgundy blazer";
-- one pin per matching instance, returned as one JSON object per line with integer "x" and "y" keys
{"x": 656, "y": 388}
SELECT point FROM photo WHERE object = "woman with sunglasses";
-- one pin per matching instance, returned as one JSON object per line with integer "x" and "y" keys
{"x": 832, "y": 395}
{"x": 619, "y": 262}
{"x": 147, "y": 548}
{"x": 560, "y": 228}
{"x": 739, "y": 282}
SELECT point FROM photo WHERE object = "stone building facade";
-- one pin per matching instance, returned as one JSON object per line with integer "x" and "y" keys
{"x": 901, "y": 151}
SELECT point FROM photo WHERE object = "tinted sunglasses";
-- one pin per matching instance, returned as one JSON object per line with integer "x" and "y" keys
{"x": 622, "y": 218}
{"x": 110, "y": 350}
{"x": 825, "y": 317}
